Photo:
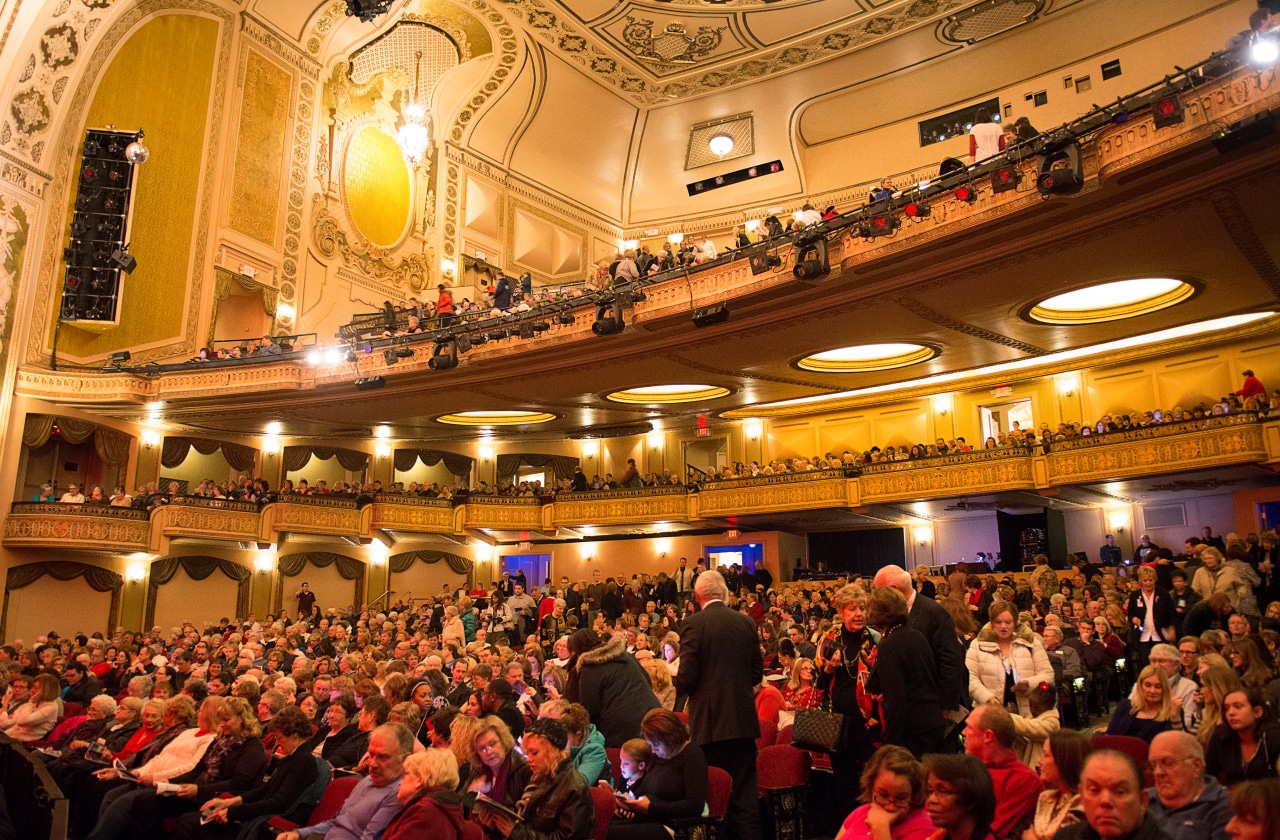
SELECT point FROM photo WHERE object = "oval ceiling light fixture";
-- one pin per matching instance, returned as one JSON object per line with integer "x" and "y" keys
{"x": 861, "y": 358}
{"x": 720, "y": 145}
{"x": 495, "y": 418}
{"x": 1111, "y": 301}
{"x": 666, "y": 394}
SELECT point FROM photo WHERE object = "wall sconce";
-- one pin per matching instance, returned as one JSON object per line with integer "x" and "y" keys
{"x": 484, "y": 553}
{"x": 135, "y": 572}
{"x": 662, "y": 547}
{"x": 942, "y": 404}
{"x": 382, "y": 432}
{"x": 628, "y": 244}
{"x": 923, "y": 534}
{"x": 752, "y": 224}
{"x": 486, "y": 453}
{"x": 654, "y": 439}
{"x": 378, "y": 553}
{"x": 274, "y": 427}
{"x": 271, "y": 445}
{"x": 448, "y": 267}
{"x": 753, "y": 429}
{"x": 284, "y": 313}
{"x": 591, "y": 449}
{"x": 1118, "y": 520}
{"x": 1068, "y": 385}
{"x": 265, "y": 561}
{"x": 675, "y": 238}
{"x": 150, "y": 438}
{"x": 382, "y": 450}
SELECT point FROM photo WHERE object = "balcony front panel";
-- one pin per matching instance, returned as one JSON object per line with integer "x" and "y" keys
{"x": 210, "y": 519}
{"x": 313, "y": 515}
{"x": 501, "y": 513}
{"x": 88, "y": 527}
{"x": 767, "y": 493}
{"x": 411, "y": 513}
{"x": 1176, "y": 447}
{"x": 984, "y": 471}
{"x": 621, "y": 507}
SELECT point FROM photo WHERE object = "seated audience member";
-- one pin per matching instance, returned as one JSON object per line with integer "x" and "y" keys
{"x": 989, "y": 737}
{"x": 893, "y": 796}
{"x": 1185, "y": 802}
{"x": 960, "y": 801}
{"x": 1148, "y": 710}
{"x": 73, "y": 496}
{"x": 71, "y": 741}
{"x": 30, "y": 708}
{"x": 233, "y": 763}
{"x": 432, "y": 806}
{"x": 1044, "y": 721}
{"x": 1115, "y": 804}
{"x": 502, "y": 773}
{"x": 674, "y": 784}
{"x": 769, "y": 701}
{"x": 557, "y": 804}
{"x": 1182, "y": 689}
{"x": 373, "y": 802}
{"x": 1247, "y": 744}
{"x": 1256, "y": 810}
{"x": 330, "y": 742}
{"x": 586, "y": 744}
{"x": 293, "y": 774}
{"x": 1060, "y": 765}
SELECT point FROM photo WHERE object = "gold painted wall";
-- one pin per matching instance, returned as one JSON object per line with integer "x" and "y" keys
{"x": 376, "y": 182}
{"x": 264, "y": 114}
{"x": 159, "y": 81}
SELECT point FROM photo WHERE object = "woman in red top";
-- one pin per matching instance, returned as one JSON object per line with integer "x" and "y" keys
{"x": 444, "y": 305}
{"x": 802, "y": 692}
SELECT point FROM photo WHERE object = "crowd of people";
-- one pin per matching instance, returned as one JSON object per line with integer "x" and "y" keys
{"x": 951, "y": 691}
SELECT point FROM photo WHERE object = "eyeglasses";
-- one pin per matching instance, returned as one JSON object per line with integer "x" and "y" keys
{"x": 1165, "y": 764}
{"x": 882, "y": 799}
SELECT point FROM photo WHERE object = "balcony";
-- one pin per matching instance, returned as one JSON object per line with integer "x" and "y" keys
{"x": 1237, "y": 439}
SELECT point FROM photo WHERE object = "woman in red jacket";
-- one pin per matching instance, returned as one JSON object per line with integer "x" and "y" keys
{"x": 431, "y": 806}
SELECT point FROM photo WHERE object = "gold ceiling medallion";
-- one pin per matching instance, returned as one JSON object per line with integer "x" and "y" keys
{"x": 666, "y": 394}
{"x": 863, "y": 358}
{"x": 673, "y": 45}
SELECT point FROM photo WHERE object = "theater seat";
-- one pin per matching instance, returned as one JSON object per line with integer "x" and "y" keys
{"x": 782, "y": 778}
{"x": 768, "y": 735}
{"x": 615, "y": 762}
{"x": 1135, "y": 748}
{"x": 719, "y": 789}
{"x": 330, "y": 804}
{"x": 602, "y": 799}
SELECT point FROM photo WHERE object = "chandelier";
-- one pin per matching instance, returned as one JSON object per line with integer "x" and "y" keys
{"x": 413, "y": 135}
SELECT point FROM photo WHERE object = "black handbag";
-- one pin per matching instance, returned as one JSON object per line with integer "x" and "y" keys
{"x": 817, "y": 729}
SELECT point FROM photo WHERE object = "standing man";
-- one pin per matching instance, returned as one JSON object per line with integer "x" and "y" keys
{"x": 1109, "y": 554}
{"x": 720, "y": 666}
{"x": 595, "y": 596}
{"x": 684, "y": 579}
{"x": 306, "y": 600}
{"x": 525, "y": 610}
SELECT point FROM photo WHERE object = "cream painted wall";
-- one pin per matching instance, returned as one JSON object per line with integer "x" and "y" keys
{"x": 198, "y": 467}
{"x": 315, "y": 470}
{"x": 183, "y": 599}
{"x": 957, "y": 538}
{"x": 628, "y": 557}
{"x": 423, "y": 580}
{"x": 69, "y": 607}
{"x": 421, "y": 473}
{"x": 331, "y": 590}
{"x": 1216, "y": 511}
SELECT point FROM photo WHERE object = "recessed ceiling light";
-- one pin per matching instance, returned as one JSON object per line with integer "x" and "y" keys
{"x": 720, "y": 145}
{"x": 866, "y": 357}
{"x": 669, "y": 394}
{"x": 1112, "y": 301}
{"x": 495, "y": 418}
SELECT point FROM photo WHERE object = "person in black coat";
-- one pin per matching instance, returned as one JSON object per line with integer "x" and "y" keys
{"x": 1152, "y": 616}
{"x": 293, "y": 775}
{"x": 611, "y": 685}
{"x": 502, "y": 293}
{"x": 928, "y": 618}
{"x": 342, "y": 731}
{"x": 82, "y": 684}
{"x": 904, "y": 676}
{"x": 720, "y": 666}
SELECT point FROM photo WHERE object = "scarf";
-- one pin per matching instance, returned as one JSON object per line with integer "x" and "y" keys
{"x": 214, "y": 757}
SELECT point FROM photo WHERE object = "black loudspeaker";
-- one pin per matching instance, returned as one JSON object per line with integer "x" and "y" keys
{"x": 370, "y": 383}
{"x": 1245, "y": 132}
{"x": 710, "y": 315}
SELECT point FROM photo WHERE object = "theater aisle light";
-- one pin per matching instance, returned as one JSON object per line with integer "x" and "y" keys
{"x": 135, "y": 572}
{"x": 265, "y": 560}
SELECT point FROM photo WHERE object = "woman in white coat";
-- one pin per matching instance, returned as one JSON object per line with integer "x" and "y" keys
{"x": 1006, "y": 660}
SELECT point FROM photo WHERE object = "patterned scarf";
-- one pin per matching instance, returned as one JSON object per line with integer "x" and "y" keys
{"x": 214, "y": 757}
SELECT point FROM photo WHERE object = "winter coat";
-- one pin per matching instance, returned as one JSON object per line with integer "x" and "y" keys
{"x": 986, "y": 667}
{"x": 1225, "y": 579}
{"x": 615, "y": 690}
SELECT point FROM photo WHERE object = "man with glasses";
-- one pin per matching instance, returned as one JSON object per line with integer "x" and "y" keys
{"x": 1185, "y": 802}
{"x": 1168, "y": 659}
{"x": 1189, "y": 656}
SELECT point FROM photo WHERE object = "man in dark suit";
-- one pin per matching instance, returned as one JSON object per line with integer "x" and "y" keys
{"x": 934, "y": 622}
{"x": 720, "y": 665}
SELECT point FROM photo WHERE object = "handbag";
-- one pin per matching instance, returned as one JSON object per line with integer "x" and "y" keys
{"x": 817, "y": 729}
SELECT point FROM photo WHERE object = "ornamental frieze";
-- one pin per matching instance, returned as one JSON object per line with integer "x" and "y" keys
{"x": 1195, "y": 450}
{"x": 52, "y": 530}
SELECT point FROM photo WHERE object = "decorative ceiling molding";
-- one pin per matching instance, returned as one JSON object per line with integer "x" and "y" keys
{"x": 918, "y": 307}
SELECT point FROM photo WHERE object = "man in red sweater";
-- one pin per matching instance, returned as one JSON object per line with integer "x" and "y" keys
{"x": 1252, "y": 387}
{"x": 988, "y": 737}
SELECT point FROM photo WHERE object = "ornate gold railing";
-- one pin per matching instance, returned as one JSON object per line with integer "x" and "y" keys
{"x": 1174, "y": 447}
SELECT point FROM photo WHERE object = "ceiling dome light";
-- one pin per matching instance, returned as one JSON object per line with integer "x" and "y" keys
{"x": 861, "y": 358}
{"x": 1111, "y": 301}
{"x": 495, "y": 418}
{"x": 720, "y": 145}
{"x": 666, "y": 394}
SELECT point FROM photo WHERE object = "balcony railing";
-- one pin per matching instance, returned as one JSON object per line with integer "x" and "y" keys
{"x": 1243, "y": 438}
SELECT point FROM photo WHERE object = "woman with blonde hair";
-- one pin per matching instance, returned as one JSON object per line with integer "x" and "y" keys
{"x": 660, "y": 677}
{"x": 801, "y": 691}
{"x": 1148, "y": 710}
{"x": 462, "y": 743}
{"x": 1216, "y": 682}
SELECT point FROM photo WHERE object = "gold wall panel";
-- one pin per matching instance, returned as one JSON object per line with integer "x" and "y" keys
{"x": 799, "y": 495}
{"x": 503, "y": 517}
{"x": 284, "y": 517}
{"x": 172, "y": 521}
{"x": 638, "y": 509}
{"x": 376, "y": 181}
{"x": 401, "y": 517}
{"x": 176, "y": 53}
{"x": 940, "y": 482}
{"x": 259, "y": 165}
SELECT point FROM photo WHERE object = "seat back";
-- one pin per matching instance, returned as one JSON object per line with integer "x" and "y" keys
{"x": 473, "y": 831}
{"x": 782, "y": 766}
{"x": 784, "y": 735}
{"x": 72, "y": 709}
{"x": 615, "y": 763}
{"x": 719, "y": 788}
{"x": 334, "y": 796}
{"x": 602, "y": 799}
{"x": 1135, "y": 748}
{"x": 684, "y": 717}
{"x": 768, "y": 734}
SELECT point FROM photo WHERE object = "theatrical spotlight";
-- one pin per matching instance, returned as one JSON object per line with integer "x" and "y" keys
{"x": 444, "y": 355}
{"x": 968, "y": 194}
{"x": 708, "y": 316}
{"x": 498, "y": 335}
{"x": 123, "y": 260}
{"x": 464, "y": 343}
{"x": 1263, "y": 52}
{"x": 1060, "y": 172}
{"x": 1005, "y": 178}
{"x": 811, "y": 259}
{"x": 563, "y": 318}
{"x": 390, "y": 356}
{"x": 352, "y": 357}
{"x": 917, "y": 210}
{"x": 609, "y": 319}
{"x": 762, "y": 262}
{"x": 1168, "y": 111}
{"x": 367, "y": 10}
{"x": 882, "y": 225}
{"x": 477, "y": 340}
{"x": 404, "y": 352}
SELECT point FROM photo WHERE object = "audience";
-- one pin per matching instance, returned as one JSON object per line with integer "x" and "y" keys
{"x": 1186, "y": 804}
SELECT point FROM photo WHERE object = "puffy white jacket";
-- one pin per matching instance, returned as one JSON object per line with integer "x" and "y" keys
{"x": 986, "y": 665}
{"x": 178, "y": 756}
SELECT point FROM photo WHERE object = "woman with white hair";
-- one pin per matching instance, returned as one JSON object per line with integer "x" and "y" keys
{"x": 454, "y": 630}
{"x": 432, "y": 806}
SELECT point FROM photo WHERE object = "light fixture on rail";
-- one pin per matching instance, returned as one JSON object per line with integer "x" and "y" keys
{"x": 1168, "y": 111}
{"x": 1005, "y": 178}
{"x": 118, "y": 359}
{"x": 609, "y": 318}
{"x": 883, "y": 224}
{"x": 918, "y": 210}
{"x": 390, "y": 356}
{"x": 1263, "y": 52}
{"x": 444, "y": 355}
{"x": 967, "y": 194}
{"x": 367, "y": 10}
{"x": 404, "y": 352}
{"x": 413, "y": 135}
{"x": 1060, "y": 172}
{"x": 811, "y": 259}
{"x": 563, "y": 318}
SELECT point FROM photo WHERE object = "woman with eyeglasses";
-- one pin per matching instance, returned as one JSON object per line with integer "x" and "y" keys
{"x": 893, "y": 797}
{"x": 502, "y": 773}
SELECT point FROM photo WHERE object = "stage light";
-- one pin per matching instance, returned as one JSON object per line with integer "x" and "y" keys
{"x": 1244, "y": 132}
{"x": 540, "y": 326}
{"x": 333, "y": 355}
{"x": 123, "y": 260}
{"x": 1168, "y": 111}
{"x": 352, "y": 357}
{"x": 1060, "y": 172}
{"x": 464, "y": 343}
{"x": 315, "y": 358}
{"x": 710, "y": 315}
{"x": 444, "y": 355}
{"x": 968, "y": 194}
{"x": 526, "y": 330}
{"x": 118, "y": 358}
{"x": 370, "y": 383}
{"x": 882, "y": 225}
{"x": 1263, "y": 52}
{"x": 1005, "y": 178}
{"x": 760, "y": 263}
{"x": 609, "y": 324}
{"x": 367, "y": 10}
{"x": 477, "y": 340}
{"x": 563, "y": 318}
{"x": 390, "y": 357}
{"x": 811, "y": 259}
{"x": 917, "y": 210}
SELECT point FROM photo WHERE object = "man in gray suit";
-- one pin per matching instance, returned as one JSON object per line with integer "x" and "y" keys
{"x": 720, "y": 665}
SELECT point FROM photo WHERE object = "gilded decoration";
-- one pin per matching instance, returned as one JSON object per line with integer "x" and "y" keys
{"x": 639, "y": 509}
{"x": 89, "y": 66}
{"x": 306, "y": 519}
{"x": 502, "y": 517}
{"x": 937, "y": 482}
{"x": 376, "y": 186}
{"x": 673, "y": 47}
{"x": 259, "y": 161}
{"x": 180, "y": 520}
{"x": 806, "y": 495}
{"x": 390, "y": 515}
{"x": 14, "y": 225}
{"x": 61, "y": 530}
{"x": 411, "y": 272}
{"x": 1135, "y": 458}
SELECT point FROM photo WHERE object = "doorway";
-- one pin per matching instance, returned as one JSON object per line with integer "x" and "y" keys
{"x": 999, "y": 419}
{"x": 536, "y": 567}
{"x": 724, "y": 556}
{"x": 1269, "y": 515}
{"x": 707, "y": 456}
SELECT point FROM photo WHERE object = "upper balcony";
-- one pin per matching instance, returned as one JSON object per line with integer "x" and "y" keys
{"x": 1231, "y": 440}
